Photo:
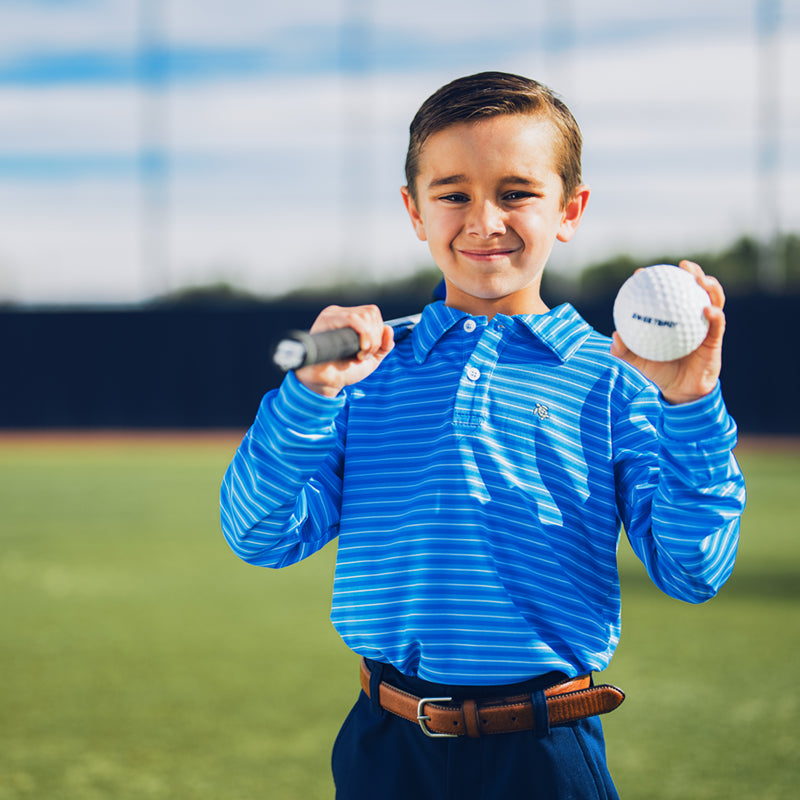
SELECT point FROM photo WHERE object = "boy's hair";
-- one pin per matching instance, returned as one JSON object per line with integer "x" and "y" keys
{"x": 492, "y": 94}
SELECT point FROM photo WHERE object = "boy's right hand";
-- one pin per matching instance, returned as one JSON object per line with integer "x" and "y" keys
{"x": 377, "y": 340}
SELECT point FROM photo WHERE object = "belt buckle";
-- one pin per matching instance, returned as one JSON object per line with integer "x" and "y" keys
{"x": 422, "y": 718}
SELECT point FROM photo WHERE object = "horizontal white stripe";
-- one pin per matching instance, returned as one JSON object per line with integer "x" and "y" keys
{"x": 473, "y": 526}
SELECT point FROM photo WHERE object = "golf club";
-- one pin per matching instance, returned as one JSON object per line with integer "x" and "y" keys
{"x": 302, "y": 349}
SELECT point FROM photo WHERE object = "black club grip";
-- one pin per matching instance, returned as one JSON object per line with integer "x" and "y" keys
{"x": 302, "y": 349}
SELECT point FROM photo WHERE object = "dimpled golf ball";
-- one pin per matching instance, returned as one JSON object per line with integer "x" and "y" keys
{"x": 658, "y": 313}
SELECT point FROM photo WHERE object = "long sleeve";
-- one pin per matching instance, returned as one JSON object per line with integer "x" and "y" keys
{"x": 281, "y": 494}
{"x": 476, "y": 483}
{"x": 681, "y": 513}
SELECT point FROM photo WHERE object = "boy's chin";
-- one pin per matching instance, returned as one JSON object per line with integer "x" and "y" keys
{"x": 494, "y": 290}
{"x": 491, "y": 300}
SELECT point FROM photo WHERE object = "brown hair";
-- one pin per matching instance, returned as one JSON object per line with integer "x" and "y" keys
{"x": 491, "y": 94}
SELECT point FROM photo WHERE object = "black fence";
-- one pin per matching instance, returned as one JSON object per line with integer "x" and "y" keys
{"x": 195, "y": 367}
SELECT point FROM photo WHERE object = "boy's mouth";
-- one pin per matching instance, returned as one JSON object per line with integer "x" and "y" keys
{"x": 488, "y": 254}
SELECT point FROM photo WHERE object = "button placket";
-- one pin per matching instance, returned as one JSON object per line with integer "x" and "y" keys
{"x": 472, "y": 395}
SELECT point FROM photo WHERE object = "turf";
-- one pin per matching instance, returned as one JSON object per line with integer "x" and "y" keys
{"x": 140, "y": 659}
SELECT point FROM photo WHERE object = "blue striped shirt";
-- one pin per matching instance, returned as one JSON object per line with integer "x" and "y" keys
{"x": 478, "y": 482}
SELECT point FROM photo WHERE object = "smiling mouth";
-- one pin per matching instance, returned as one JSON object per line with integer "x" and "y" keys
{"x": 487, "y": 255}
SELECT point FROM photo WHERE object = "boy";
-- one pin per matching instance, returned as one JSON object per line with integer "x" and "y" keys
{"x": 478, "y": 472}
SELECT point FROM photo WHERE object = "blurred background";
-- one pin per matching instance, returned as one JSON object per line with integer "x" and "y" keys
{"x": 150, "y": 145}
{"x": 181, "y": 181}
{"x": 165, "y": 153}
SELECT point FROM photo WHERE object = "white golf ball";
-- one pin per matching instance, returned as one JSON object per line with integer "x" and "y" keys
{"x": 658, "y": 313}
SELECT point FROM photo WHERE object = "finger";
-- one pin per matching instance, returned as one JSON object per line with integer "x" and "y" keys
{"x": 691, "y": 267}
{"x": 368, "y": 323}
{"x": 696, "y": 271}
{"x": 716, "y": 326}
{"x": 387, "y": 341}
{"x": 618, "y": 347}
{"x": 365, "y": 320}
{"x": 714, "y": 289}
{"x": 708, "y": 282}
{"x": 327, "y": 319}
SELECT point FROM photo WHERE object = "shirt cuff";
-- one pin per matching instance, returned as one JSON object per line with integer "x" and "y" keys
{"x": 701, "y": 419}
{"x": 295, "y": 404}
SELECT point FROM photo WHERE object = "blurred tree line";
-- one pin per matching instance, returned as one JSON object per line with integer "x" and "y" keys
{"x": 737, "y": 267}
{"x": 201, "y": 358}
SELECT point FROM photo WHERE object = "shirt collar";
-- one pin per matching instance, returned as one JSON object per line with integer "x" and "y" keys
{"x": 561, "y": 329}
{"x": 437, "y": 319}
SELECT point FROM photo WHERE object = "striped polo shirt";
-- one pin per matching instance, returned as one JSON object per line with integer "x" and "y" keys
{"x": 478, "y": 482}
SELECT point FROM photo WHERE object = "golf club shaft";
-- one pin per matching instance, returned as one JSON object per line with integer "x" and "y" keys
{"x": 302, "y": 349}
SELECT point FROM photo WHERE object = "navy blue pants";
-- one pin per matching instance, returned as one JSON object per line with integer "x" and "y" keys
{"x": 380, "y": 755}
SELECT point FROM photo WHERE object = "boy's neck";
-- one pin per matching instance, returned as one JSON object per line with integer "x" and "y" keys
{"x": 510, "y": 305}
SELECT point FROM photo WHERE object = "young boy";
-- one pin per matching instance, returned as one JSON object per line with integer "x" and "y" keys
{"x": 478, "y": 473}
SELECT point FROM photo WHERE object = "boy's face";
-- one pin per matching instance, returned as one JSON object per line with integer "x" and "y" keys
{"x": 489, "y": 204}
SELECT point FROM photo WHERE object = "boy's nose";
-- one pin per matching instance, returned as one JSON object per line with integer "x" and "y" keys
{"x": 486, "y": 220}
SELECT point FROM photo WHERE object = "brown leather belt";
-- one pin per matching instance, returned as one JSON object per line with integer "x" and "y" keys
{"x": 571, "y": 700}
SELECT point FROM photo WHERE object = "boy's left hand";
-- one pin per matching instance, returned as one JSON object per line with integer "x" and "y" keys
{"x": 695, "y": 375}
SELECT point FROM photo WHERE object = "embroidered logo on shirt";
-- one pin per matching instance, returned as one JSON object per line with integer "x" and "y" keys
{"x": 541, "y": 411}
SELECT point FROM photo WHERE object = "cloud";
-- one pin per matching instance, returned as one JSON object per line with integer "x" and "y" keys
{"x": 284, "y": 157}
{"x": 202, "y": 40}
{"x": 43, "y": 25}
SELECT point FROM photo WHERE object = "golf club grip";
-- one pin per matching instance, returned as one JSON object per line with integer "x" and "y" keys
{"x": 317, "y": 348}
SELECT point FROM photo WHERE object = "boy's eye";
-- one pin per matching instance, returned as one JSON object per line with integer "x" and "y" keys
{"x": 454, "y": 197}
{"x": 509, "y": 197}
{"x": 518, "y": 195}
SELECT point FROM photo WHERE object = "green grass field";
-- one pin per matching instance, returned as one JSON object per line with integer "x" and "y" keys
{"x": 140, "y": 659}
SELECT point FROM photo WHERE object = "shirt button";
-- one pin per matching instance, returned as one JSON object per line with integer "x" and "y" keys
{"x": 473, "y": 374}
{"x": 470, "y": 325}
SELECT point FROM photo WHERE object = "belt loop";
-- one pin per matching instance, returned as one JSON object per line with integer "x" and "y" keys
{"x": 541, "y": 719}
{"x": 472, "y": 720}
{"x": 375, "y": 678}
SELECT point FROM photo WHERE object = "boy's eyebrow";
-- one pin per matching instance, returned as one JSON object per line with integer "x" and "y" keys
{"x": 449, "y": 180}
{"x": 519, "y": 180}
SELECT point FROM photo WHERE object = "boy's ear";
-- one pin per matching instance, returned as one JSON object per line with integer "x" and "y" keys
{"x": 413, "y": 213}
{"x": 573, "y": 211}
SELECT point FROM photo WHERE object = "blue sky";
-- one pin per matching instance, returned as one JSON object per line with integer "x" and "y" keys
{"x": 152, "y": 144}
